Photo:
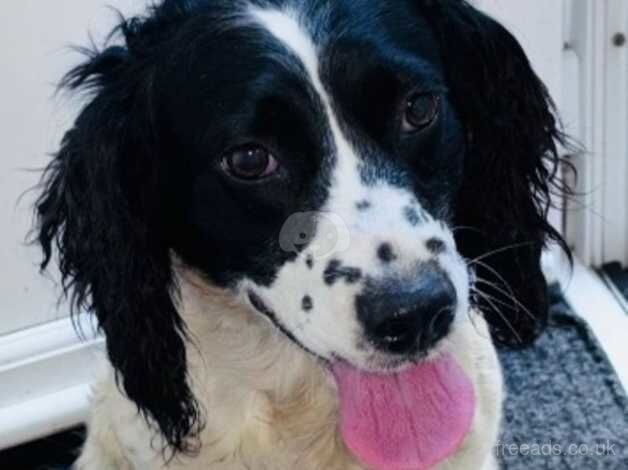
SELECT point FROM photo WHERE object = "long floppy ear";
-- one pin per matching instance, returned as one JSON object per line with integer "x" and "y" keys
{"x": 101, "y": 213}
{"x": 510, "y": 170}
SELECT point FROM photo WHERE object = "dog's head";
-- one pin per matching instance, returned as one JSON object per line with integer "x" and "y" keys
{"x": 341, "y": 167}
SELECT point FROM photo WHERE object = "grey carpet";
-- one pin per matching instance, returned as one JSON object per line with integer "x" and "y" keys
{"x": 565, "y": 408}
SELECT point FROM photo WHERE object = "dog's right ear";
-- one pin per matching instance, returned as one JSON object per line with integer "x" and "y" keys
{"x": 102, "y": 214}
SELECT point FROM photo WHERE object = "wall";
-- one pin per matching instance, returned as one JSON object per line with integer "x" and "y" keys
{"x": 538, "y": 25}
{"x": 34, "y": 35}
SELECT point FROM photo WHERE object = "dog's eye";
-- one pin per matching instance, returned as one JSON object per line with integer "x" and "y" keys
{"x": 421, "y": 110}
{"x": 250, "y": 162}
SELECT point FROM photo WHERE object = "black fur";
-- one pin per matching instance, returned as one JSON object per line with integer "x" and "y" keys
{"x": 511, "y": 165}
{"x": 335, "y": 272}
{"x": 134, "y": 181}
{"x": 99, "y": 212}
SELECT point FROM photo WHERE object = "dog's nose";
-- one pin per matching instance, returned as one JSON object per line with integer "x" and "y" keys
{"x": 408, "y": 317}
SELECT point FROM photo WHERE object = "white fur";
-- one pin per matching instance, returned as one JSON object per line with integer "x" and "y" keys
{"x": 269, "y": 405}
{"x": 332, "y": 328}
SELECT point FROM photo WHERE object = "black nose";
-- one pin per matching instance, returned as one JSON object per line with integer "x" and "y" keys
{"x": 402, "y": 317}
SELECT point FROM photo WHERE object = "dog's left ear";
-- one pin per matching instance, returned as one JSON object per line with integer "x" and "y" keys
{"x": 511, "y": 165}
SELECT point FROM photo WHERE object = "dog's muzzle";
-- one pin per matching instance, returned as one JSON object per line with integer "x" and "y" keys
{"x": 407, "y": 316}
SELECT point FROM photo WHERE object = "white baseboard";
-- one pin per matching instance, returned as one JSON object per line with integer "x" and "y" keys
{"x": 44, "y": 416}
{"x": 45, "y": 374}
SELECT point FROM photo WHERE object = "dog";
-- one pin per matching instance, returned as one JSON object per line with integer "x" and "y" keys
{"x": 302, "y": 226}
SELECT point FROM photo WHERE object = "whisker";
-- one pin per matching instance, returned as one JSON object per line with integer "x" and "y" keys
{"x": 501, "y": 250}
{"x": 499, "y": 276}
{"x": 512, "y": 328}
{"x": 512, "y": 297}
{"x": 501, "y": 302}
{"x": 510, "y": 293}
{"x": 471, "y": 315}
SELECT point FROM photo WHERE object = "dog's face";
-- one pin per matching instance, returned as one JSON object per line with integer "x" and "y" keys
{"x": 315, "y": 159}
{"x": 324, "y": 167}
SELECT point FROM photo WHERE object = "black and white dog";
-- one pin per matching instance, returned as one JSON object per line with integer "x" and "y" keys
{"x": 287, "y": 216}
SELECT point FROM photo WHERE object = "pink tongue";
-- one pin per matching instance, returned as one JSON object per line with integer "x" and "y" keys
{"x": 406, "y": 421}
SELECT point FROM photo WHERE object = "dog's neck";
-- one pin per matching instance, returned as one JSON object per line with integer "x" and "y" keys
{"x": 260, "y": 392}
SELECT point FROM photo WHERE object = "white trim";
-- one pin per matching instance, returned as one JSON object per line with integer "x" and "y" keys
{"x": 615, "y": 136}
{"x": 45, "y": 374}
{"x": 598, "y": 221}
{"x": 43, "y": 339}
{"x": 584, "y": 42}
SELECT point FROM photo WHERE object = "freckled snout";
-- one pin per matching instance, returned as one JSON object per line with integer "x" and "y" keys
{"x": 402, "y": 316}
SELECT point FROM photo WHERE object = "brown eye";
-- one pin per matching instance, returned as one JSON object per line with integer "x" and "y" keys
{"x": 421, "y": 111}
{"x": 250, "y": 162}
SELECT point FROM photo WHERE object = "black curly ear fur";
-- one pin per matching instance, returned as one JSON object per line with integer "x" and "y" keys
{"x": 511, "y": 166}
{"x": 101, "y": 213}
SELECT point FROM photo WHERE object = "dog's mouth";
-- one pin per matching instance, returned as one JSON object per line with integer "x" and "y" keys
{"x": 409, "y": 419}
{"x": 402, "y": 415}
